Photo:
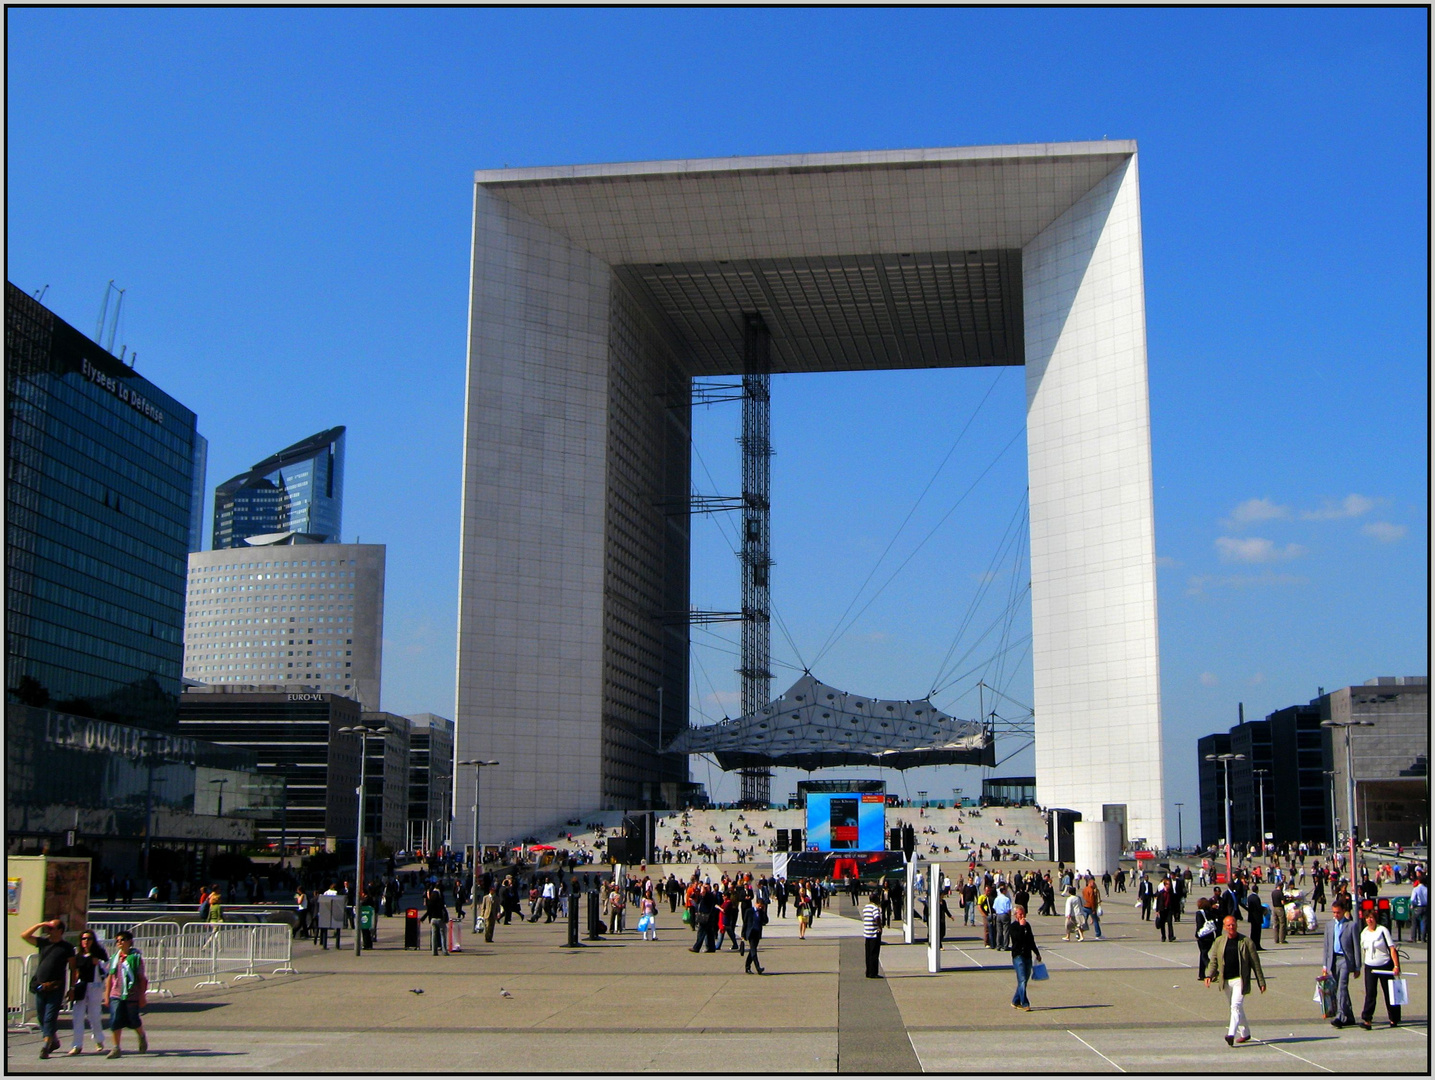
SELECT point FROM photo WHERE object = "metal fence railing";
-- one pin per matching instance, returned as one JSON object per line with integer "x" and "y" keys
{"x": 212, "y": 949}
{"x": 18, "y": 1000}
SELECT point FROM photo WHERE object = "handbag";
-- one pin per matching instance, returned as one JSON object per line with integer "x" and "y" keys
{"x": 1325, "y": 995}
{"x": 481, "y": 925}
{"x": 1399, "y": 992}
{"x": 1039, "y": 972}
{"x": 688, "y": 915}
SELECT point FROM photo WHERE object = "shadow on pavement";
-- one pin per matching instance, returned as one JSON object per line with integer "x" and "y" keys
{"x": 1058, "y": 1008}
{"x": 183, "y": 1006}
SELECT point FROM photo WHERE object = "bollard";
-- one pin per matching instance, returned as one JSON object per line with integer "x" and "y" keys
{"x": 573, "y": 942}
{"x": 593, "y": 934}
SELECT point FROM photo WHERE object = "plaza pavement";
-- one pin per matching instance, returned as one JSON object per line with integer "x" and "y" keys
{"x": 1126, "y": 1004}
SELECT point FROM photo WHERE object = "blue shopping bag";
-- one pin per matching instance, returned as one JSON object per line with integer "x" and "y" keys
{"x": 1039, "y": 972}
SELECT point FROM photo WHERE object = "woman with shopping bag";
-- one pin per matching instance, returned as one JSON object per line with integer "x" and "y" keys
{"x": 1023, "y": 949}
{"x": 1382, "y": 965}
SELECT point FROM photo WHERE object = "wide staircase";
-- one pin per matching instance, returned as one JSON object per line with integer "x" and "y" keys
{"x": 749, "y": 836}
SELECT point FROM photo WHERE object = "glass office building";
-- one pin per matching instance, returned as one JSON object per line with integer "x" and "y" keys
{"x": 298, "y": 490}
{"x": 103, "y": 469}
{"x": 296, "y": 740}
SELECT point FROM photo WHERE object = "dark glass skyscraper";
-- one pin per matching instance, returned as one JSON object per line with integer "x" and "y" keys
{"x": 102, "y": 467}
{"x": 300, "y": 489}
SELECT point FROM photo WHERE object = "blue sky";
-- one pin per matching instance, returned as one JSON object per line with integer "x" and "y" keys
{"x": 286, "y": 196}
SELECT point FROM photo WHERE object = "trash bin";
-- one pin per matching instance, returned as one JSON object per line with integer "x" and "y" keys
{"x": 411, "y": 928}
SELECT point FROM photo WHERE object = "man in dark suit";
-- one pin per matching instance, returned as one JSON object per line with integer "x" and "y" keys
{"x": 1256, "y": 912}
{"x": 1342, "y": 959}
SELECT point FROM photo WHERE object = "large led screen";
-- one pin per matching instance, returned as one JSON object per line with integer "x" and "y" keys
{"x": 854, "y": 821}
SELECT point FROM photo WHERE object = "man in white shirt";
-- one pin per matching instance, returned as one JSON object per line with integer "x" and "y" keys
{"x": 550, "y": 900}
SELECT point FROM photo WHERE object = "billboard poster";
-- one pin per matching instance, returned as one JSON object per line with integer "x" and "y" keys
{"x": 846, "y": 821}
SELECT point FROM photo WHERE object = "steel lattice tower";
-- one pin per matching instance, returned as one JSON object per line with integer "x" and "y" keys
{"x": 756, "y": 552}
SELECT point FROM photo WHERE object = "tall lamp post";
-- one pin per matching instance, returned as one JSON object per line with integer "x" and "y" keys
{"x": 219, "y": 810}
{"x": 1179, "y": 845}
{"x": 1225, "y": 760}
{"x": 478, "y": 766}
{"x": 363, "y": 733}
{"x": 1260, "y": 775}
{"x": 1349, "y": 790}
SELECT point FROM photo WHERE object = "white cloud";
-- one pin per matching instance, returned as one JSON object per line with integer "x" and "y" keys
{"x": 1166, "y": 562}
{"x": 1209, "y": 679}
{"x": 1256, "y": 679}
{"x": 1255, "y": 549}
{"x": 1257, "y": 510}
{"x": 1202, "y": 584}
{"x": 1348, "y": 507}
{"x": 1384, "y": 531}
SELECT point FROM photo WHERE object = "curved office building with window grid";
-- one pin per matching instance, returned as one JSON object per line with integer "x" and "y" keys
{"x": 309, "y": 616}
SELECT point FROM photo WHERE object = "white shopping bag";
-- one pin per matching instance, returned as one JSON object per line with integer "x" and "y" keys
{"x": 1399, "y": 992}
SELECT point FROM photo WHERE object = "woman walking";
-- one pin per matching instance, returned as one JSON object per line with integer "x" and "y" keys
{"x": 1023, "y": 949}
{"x": 1073, "y": 909}
{"x": 648, "y": 920}
{"x": 1205, "y": 932}
{"x": 125, "y": 992}
{"x": 92, "y": 966}
{"x": 1382, "y": 963}
{"x": 804, "y": 912}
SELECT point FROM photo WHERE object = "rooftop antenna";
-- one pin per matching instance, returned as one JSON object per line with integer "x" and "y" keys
{"x": 39, "y": 294}
{"x": 104, "y": 310}
{"x": 115, "y": 322}
{"x": 115, "y": 319}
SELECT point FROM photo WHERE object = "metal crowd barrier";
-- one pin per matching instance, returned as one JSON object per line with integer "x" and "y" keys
{"x": 212, "y": 948}
{"x": 18, "y": 999}
{"x": 159, "y": 943}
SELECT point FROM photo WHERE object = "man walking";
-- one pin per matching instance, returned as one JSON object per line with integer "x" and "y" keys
{"x": 1256, "y": 911}
{"x": 1091, "y": 907}
{"x": 872, "y": 935}
{"x": 436, "y": 912}
{"x": 1233, "y": 962}
{"x": 1341, "y": 958}
{"x": 1278, "y": 913}
{"x": 488, "y": 911}
{"x": 54, "y": 974}
{"x": 1001, "y": 911}
{"x": 752, "y": 931}
{"x": 1145, "y": 894}
{"x": 1420, "y": 912}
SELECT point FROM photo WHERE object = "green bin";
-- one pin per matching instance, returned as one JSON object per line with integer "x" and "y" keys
{"x": 1400, "y": 908}
{"x": 366, "y": 918}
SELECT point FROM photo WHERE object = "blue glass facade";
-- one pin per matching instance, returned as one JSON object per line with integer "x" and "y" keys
{"x": 299, "y": 489}
{"x": 101, "y": 474}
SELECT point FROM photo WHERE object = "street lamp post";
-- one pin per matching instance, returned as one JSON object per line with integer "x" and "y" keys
{"x": 1179, "y": 845}
{"x": 1225, "y": 760}
{"x": 219, "y": 811}
{"x": 1260, "y": 775}
{"x": 363, "y": 733}
{"x": 478, "y": 766}
{"x": 1349, "y": 790}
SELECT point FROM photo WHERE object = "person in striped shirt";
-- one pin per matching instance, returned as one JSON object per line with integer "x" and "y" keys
{"x": 872, "y": 932}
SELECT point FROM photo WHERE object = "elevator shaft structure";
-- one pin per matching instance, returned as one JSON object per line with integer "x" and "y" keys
{"x": 756, "y": 553}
